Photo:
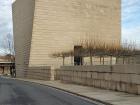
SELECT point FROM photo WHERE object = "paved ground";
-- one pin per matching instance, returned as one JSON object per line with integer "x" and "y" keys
{"x": 15, "y": 92}
{"x": 112, "y": 97}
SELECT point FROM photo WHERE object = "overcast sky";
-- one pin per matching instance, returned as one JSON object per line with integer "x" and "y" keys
{"x": 5, "y": 23}
{"x": 130, "y": 20}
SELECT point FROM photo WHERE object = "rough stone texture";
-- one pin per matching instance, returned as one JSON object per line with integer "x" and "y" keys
{"x": 97, "y": 76}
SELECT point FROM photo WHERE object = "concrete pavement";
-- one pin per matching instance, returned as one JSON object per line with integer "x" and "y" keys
{"x": 107, "y": 96}
{"x": 15, "y": 92}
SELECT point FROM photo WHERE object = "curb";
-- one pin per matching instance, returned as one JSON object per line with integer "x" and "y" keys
{"x": 67, "y": 91}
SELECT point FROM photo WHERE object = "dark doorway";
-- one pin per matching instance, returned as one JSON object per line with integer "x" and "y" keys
{"x": 78, "y": 59}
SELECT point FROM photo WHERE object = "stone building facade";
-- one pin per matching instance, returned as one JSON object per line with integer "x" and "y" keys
{"x": 43, "y": 27}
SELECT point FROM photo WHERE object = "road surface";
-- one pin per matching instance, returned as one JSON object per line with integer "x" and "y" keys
{"x": 14, "y": 92}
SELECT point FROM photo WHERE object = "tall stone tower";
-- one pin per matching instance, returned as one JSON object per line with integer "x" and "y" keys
{"x": 43, "y": 27}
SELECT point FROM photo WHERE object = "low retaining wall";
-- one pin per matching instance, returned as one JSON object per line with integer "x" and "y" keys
{"x": 125, "y": 78}
{"x": 41, "y": 73}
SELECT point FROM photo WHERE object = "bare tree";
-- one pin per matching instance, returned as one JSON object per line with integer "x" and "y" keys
{"x": 101, "y": 49}
{"x": 9, "y": 47}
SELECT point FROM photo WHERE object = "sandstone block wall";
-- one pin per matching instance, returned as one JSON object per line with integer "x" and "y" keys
{"x": 60, "y": 24}
{"x": 125, "y": 78}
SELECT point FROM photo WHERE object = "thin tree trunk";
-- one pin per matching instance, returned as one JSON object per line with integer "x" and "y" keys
{"x": 2, "y": 70}
{"x": 128, "y": 60}
{"x": 103, "y": 60}
{"x": 100, "y": 59}
{"x": 110, "y": 60}
{"x": 71, "y": 60}
{"x": 63, "y": 61}
{"x": 116, "y": 60}
{"x": 123, "y": 59}
{"x": 91, "y": 61}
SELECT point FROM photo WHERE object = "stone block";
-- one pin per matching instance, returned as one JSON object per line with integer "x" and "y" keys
{"x": 84, "y": 80}
{"x": 135, "y": 78}
{"x": 89, "y": 74}
{"x": 126, "y": 78}
{"x": 118, "y": 86}
{"x": 122, "y": 87}
{"x": 97, "y": 83}
{"x": 102, "y": 68}
{"x": 132, "y": 88}
{"x": 75, "y": 74}
{"x": 118, "y": 69}
{"x": 113, "y": 85}
{"x": 79, "y": 74}
{"x": 131, "y": 69}
{"x": 101, "y": 76}
{"x": 108, "y": 84}
{"x": 138, "y": 89}
{"x": 85, "y": 74}
{"x": 93, "y": 82}
{"x": 107, "y": 76}
{"x": 116, "y": 77}
{"x": 94, "y": 75}
{"x": 104, "y": 84}
{"x": 89, "y": 82}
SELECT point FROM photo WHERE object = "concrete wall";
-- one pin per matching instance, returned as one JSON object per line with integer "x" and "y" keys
{"x": 61, "y": 24}
{"x": 125, "y": 78}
